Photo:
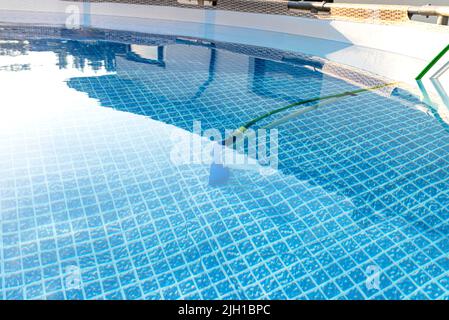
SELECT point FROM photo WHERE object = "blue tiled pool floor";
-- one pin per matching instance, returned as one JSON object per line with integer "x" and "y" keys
{"x": 92, "y": 207}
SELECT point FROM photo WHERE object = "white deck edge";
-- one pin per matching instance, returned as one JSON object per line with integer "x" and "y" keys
{"x": 398, "y": 52}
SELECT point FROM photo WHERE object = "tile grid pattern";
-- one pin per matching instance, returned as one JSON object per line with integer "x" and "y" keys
{"x": 364, "y": 183}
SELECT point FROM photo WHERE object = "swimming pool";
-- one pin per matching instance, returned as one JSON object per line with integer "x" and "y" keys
{"x": 94, "y": 207}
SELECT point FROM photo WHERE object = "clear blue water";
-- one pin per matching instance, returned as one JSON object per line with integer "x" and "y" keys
{"x": 92, "y": 207}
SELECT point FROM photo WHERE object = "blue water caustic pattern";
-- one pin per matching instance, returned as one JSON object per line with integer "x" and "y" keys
{"x": 93, "y": 207}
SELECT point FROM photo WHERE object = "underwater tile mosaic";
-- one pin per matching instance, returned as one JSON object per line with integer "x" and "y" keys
{"x": 92, "y": 207}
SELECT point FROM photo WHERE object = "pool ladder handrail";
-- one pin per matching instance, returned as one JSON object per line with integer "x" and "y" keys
{"x": 432, "y": 63}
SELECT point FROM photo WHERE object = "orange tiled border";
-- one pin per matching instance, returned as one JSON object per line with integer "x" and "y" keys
{"x": 374, "y": 13}
{"x": 365, "y": 13}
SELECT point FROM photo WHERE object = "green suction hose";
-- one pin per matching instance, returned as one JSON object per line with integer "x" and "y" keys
{"x": 246, "y": 126}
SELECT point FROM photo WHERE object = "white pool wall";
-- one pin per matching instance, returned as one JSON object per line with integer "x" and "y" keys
{"x": 397, "y": 51}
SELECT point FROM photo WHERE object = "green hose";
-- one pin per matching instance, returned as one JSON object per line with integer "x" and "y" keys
{"x": 246, "y": 126}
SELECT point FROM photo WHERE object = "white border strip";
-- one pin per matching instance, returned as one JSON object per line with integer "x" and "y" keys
{"x": 395, "y": 51}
